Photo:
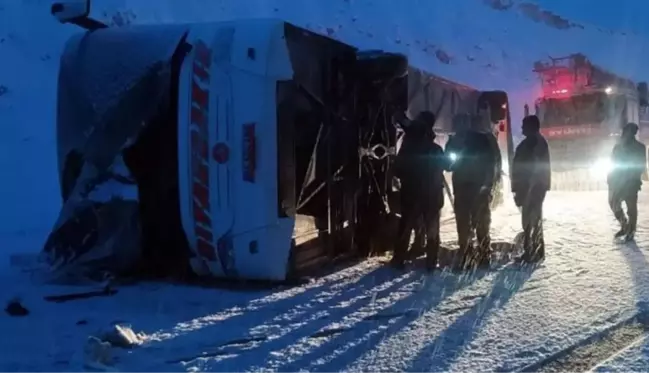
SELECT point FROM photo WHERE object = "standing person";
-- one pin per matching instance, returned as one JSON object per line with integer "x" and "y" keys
{"x": 629, "y": 160}
{"x": 531, "y": 180}
{"x": 475, "y": 172}
{"x": 419, "y": 166}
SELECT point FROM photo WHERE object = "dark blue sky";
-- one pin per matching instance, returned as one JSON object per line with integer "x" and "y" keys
{"x": 631, "y": 15}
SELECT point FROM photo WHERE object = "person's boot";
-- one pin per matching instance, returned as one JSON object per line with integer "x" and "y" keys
{"x": 622, "y": 232}
{"x": 527, "y": 256}
{"x": 483, "y": 257}
{"x": 461, "y": 259}
{"x": 530, "y": 257}
{"x": 539, "y": 254}
{"x": 623, "y": 228}
{"x": 484, "y": 262}
{"x": 472, "y": 259}
{"x": 415, "y": 251}
{"x": 630, "y": 229}
{"x": 431, "y": 263}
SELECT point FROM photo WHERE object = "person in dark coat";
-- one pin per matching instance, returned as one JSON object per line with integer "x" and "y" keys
{"x": 419, "y": 166}
{"x": 629, "y": 160}
{"x": 476, "y": 169}
{"x": 531, "y": 180}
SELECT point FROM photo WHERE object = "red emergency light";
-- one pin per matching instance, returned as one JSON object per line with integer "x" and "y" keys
{"x": 575, "y": 74}
{"x": 562, "y": 77}
{"x": 558, "y": 85}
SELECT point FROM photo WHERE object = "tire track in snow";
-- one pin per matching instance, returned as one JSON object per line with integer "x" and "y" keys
{"x": 587, "y": 354}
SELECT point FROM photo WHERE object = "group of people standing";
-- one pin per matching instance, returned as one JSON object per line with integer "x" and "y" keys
{"x": 473, "y": 157}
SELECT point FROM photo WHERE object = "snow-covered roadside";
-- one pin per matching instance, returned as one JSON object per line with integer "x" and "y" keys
{"x": 366, "y": 317}
{"x": 635, "y": 358}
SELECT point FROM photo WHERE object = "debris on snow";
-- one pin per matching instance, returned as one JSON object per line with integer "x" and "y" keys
{"x": 98, "y": 355}
{"x": 98, "y": 350}
{"x": 121, "y": 336}
{"x": 107, "y": 291}
{"x": 16, "y": 309}
{"x": 499, "y": 4}
{"x": 443, "y": 57}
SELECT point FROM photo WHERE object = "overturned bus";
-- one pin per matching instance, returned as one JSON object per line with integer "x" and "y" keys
{"x": 251, "y": 149}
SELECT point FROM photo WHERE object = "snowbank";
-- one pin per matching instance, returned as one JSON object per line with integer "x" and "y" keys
{"x": 490, "y": 44}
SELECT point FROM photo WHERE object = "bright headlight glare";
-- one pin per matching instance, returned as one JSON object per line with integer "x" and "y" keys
{"x": 453, "y": 156}
{"x": 602, "y": 167}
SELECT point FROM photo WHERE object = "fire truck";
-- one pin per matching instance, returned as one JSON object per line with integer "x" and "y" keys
{"x": 582, "y": 109}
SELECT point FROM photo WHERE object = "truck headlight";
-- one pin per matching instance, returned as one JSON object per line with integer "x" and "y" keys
{"x": 453, "y": 156}
{"x": 601, "y": 168}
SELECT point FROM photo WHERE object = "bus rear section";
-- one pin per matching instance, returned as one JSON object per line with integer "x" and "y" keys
{"x": 271, "y": 120}
{"x": 227, "y": 150}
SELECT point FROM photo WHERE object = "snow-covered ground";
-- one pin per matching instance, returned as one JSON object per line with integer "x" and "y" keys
{"x": 364, "y": 318}
{"x": 633, "y": 359}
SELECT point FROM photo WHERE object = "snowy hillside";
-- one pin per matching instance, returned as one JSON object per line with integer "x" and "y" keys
{"x": 483, "y": 43}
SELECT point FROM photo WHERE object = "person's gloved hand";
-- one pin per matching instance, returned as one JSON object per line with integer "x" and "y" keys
{"x": 485, "y": 189}
{"x": 401, "y": 118}
{"x": 396, "y": 184}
